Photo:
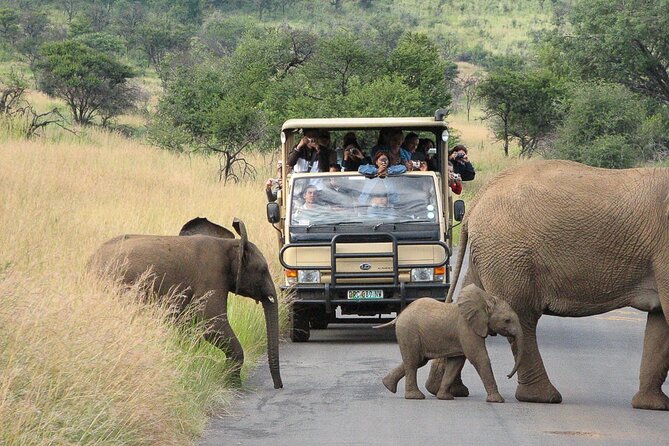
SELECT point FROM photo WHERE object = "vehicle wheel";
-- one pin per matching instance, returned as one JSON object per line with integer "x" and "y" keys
{"x": 320, "y": 321}
{"x": 299, "y": 328}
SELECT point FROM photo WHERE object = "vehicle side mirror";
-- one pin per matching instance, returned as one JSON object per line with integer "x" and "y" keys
{"x": 273, "y": 213}
{"x": 458, "y": 210}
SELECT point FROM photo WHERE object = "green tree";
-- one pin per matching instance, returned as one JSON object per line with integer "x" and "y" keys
{"x": 417, "y": 60}
{"x": 337, "y": 60}
{"x": 158, "y": 37}
{"x": 90, "y": 82}
{"x": 605, "y": 125}
{"x": 623, "y": 42}
{"x": 201, "y": 107}
{"x": 521, "y": 105}
{"x": 9, "y": 24}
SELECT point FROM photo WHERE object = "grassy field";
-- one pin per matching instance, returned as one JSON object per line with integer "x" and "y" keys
{"x": 83, "y": 362}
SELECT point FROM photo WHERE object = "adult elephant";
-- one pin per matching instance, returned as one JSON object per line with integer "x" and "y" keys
{"x": 201, "y": 267}
{"x": 564, "y": 239}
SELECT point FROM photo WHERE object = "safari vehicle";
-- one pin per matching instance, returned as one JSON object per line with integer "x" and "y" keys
{"x": 372, "y": 245}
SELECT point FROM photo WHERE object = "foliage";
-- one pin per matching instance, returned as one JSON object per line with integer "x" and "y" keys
{"x": 417, "y": 60}
{"x": 607, "y": 125}
{"x": 158, "y": 37}
{"x": 91, "y": 83}
{"x": 622, "y": 42}
{"x": 521, "y": 105}
{"x": 9, "y": 24}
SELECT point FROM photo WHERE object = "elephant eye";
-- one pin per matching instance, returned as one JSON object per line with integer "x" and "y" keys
{"x": 507, "y": 321}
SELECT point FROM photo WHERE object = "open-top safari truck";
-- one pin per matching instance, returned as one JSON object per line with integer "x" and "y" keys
{"x": 349, "y": 252}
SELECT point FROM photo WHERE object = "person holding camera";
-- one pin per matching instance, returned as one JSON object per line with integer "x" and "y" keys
{"x": 461, "y": 164}
{"x": 381, "y": 167}
{"x": 454, "y": 180}
{"x": 312, "y": 153}
{"x": 354, "y": 157}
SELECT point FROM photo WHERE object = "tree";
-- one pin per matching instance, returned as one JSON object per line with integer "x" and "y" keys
{"x": 468, "y": 85}
{"x": 417, "y": 60}
{"x": 336, "y": 61}
{"x": 607, "y": 125}
{"x": 523, "y": 105}
{"x": 90, "y": 82}
{"x": 623, "y": 42}
{"x": 159, "y": 37}
{"x": 9, "y": 24}
{"x": 202, "y": 108}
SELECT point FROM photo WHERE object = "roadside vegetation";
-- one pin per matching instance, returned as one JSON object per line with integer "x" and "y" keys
{"x": 121, "y": 116}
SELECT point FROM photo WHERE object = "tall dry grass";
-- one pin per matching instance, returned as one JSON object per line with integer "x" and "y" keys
{"x": 81, "y": 363}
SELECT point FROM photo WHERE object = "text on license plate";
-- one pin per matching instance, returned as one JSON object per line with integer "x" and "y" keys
{"x": 365, "y": 294}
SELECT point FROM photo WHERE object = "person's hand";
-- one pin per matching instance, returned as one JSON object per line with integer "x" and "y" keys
{"x": 423, "y": 166}
{"x": 268, "y": 185}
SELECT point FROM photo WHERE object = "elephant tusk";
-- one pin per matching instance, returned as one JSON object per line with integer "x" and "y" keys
{"x": 271, "y": 299}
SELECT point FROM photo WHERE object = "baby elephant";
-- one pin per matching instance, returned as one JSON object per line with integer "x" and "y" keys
{"x": 430, "y": 329}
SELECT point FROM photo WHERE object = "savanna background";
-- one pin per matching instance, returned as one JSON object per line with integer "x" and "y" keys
{"x": 134, "y": 116}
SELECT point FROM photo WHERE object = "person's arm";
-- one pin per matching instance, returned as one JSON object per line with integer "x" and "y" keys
{"x": 295, "y": 154}
{"x": 368, "y": 169}
{"x": 466, "y": 170}
{"x": 457, "y": 187}
{"x": 397, "y": 169}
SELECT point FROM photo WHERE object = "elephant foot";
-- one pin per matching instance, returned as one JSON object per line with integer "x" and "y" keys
{"x": 650, "y": 401}
{"x": 390, "y": 384}
{"x": 458, "y": 389}
{"x": 495, "y": 398}
{"x": 414, "y": 395}
{"x": 445, "y": 396}
{"x": 543, "y": 392}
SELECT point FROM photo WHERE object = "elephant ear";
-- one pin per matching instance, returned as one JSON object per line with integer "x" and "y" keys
{"x": 202, "y": 226}
{"x": 475, "y": 309}
{"x": 243, "y": 244}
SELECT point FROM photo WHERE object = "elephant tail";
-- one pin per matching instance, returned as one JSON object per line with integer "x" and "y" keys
{"x": 387, "y": 324}
{"x": 462, "y": 249}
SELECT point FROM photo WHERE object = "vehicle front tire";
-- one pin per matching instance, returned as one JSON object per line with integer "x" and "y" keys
{"x": 299, "y": 327}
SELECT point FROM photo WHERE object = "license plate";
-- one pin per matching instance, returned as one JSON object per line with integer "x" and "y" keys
{"x": 364, "y": 294}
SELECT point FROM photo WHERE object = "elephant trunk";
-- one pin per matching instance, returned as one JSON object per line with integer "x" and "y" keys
{"x": 518, "y": 348}
{"x": 271, "y": 309}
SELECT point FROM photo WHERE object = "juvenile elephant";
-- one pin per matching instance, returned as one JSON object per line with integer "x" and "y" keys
{"x": 430, "y": 329}
{"x": 561, "y": 238}
{"x": 201, "y": 266}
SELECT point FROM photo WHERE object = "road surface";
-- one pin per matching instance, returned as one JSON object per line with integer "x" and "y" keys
{"x": 333, "y": 394}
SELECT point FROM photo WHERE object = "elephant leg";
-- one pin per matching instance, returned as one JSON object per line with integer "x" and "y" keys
{"x": 533, "y": 383}
{"x": 392, "y": 378}
{"x": 654, "y": 365}
{"x": 478, "y": 356}
{"x": 458, "y": 388}
{"x": 219, "y": 333}
{"x": 411, "y": 391}
{"x": 452, "y": 370}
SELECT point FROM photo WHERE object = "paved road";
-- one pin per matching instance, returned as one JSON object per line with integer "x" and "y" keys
{"x": 333, "y": 394}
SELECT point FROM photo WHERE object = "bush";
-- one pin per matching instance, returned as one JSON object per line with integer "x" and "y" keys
{"x": 600, "y": 119}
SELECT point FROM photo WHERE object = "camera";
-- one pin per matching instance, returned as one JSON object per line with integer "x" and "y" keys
{"x": 460, "y": 155}
{"x": 455, "y": 176}
{"x": 415, "y": 164}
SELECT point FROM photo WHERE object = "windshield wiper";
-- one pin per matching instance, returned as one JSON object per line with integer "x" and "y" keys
{"x": 413, "y": 221}
{"x": 341, "y": 223}
{"x": 376, "y": 226}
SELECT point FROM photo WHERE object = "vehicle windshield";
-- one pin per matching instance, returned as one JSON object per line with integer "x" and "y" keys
{"x": 355, "y": 199}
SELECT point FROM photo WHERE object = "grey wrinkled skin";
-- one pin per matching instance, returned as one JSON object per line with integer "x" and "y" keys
{"x": 561, "y": 238}
{"x": 429, "y": 329}
{"x": 203, "y": 269}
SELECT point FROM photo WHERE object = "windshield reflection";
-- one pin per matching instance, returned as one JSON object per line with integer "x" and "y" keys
{"x": 355, "y": 199}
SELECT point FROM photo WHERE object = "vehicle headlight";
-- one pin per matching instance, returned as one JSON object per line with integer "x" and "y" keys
{"x": 422, "y": 274}
{"x": 308, "y": 276}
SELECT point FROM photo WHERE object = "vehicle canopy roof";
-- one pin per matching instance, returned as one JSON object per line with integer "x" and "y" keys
{"x": 432, "y": 124}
